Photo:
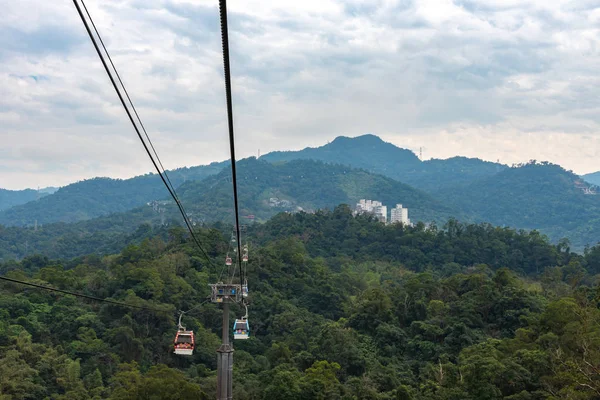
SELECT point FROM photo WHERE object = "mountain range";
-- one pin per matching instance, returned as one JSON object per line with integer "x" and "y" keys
{"x": 96, "y": 197}
{"x": 540, "y": 196}
{"x": 265, "y": 190}
{"x": 533, "y": 196}
{"x": 593, "y": 178}
{"x": 11, "y": 198}
{"x": 372, "y": 154}
{"x": 103, "y": 196}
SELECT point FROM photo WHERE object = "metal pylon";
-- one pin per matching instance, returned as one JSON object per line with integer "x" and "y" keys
{"x": 225, "y": 361}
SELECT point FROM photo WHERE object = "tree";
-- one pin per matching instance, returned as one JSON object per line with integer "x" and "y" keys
{"x": 320, "y": 381}
{"x": 159, "y": 383}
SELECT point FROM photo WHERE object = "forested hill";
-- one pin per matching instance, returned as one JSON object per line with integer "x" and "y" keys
{"x": 370, "y": 313}
{"x": 371, "y": 153}
{"x": 435, "y": 175}
{"x": 101, "y": 235}
{"x": 304, "y": 185}
{"x": 534, "y": 196}
{"x": 100, "y": 196}
{"x": 103, "y": 196}
{"x": 310, "y": 185}
{"x": 11, "y": 198}
{"x": 593, "y": 178}
{"x": 543, "y": 197}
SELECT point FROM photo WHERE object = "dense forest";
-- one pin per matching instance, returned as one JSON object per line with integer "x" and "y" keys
{"x": 102, "y": 235}
{"x": 342, "y": 307}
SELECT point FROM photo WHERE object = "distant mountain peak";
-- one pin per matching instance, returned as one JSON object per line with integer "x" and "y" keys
{"x": 593, "y": 178}
{"x": 368, "y": 138}
{"x": 380, "y": 157}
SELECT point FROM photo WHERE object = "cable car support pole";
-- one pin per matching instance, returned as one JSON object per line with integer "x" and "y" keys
{"x": 225, "y": 361}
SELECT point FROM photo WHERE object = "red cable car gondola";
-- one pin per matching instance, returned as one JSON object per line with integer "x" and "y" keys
{"x": 184, "y": 342}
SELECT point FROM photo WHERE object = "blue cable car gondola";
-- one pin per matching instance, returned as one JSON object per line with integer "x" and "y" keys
{"x": 241, "y": 329}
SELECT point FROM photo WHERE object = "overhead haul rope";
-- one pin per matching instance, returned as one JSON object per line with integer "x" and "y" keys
{"x": 128, "y": 98}
{"x": 85, "y": 296}
{"x": 227, "y": 73}
{"x": 162, "y": 174}
{"x": 181, "y": 313}
{"x": 229, "y": 249}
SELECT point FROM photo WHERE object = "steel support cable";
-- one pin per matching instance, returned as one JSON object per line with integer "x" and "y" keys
{"x": 112, "y": 79}
{"x": 127, "y": 94}
{"x": 229, "y": 248}
{"x": 164, "y": 171}
{"x": 85, "y": 296}
{"x": 195, "y": 307}
{"x": 227, "y": 73}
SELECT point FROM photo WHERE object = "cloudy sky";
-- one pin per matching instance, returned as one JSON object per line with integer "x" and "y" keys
{"x": 497, "y": 79}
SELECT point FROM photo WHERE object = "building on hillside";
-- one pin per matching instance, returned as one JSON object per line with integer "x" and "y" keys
{"x": 374, "y": 207}
{"x": 277, "y": 202}
{"x": 399, "y": 215}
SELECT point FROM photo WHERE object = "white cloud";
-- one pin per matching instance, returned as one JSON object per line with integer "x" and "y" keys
{"x": 497, "y": 79}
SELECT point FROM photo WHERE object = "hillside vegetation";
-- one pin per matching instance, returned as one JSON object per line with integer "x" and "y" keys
{"x": 307, "y": 185}
{"x": 102, "y": 235}
{"x": 464, "y": 312}
{"x": 534, "y": 196}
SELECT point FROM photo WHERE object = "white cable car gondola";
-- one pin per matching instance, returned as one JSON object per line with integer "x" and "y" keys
{"x": 245, "y": 254}
{"x": 228, "y": 260}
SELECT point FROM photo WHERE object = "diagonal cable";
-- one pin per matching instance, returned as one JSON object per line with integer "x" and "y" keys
{"x": 160, "y": 173}
{"x": 85, "y": 296}
{"x": 127, "y": 95}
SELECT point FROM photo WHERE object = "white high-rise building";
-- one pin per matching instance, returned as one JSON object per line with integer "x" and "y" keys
{"x": 372, "y": 207}
{"x": 381, "y": 213}
{"x": 400, "y": 215}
